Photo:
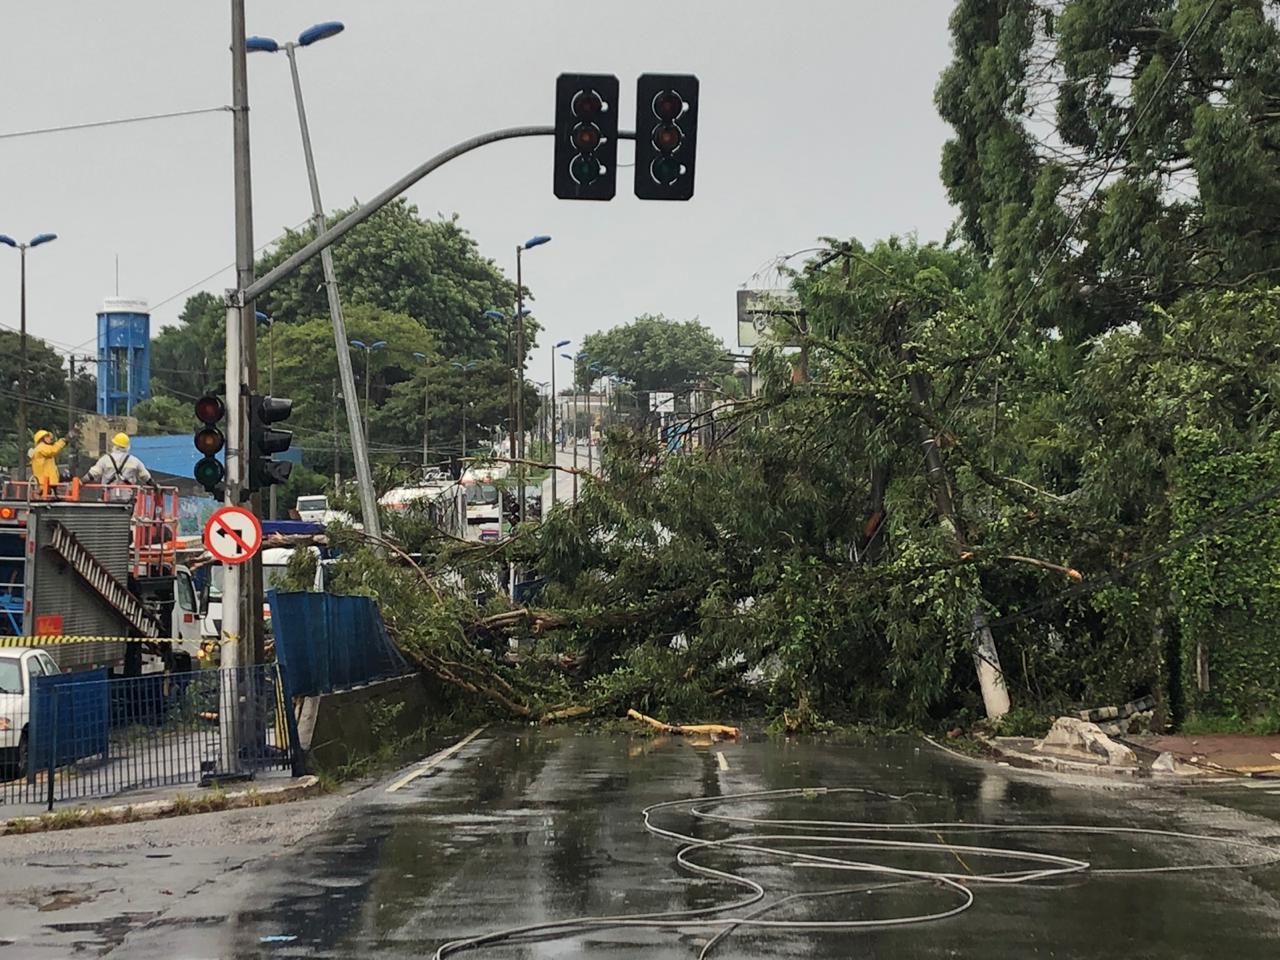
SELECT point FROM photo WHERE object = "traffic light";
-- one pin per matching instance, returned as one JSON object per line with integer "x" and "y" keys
{"x": 265, "y": 441}
{"x": 666, "y": 135}
{"x": 209, "y": 441}
{"x": 586, "y": 150}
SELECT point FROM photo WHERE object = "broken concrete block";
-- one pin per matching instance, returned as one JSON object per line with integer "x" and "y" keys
{"x": 1073, "y": 737}
{"x": 1163, "y": 763}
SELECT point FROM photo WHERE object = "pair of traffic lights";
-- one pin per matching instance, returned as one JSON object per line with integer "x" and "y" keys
{"x": 586, "y": 151}
{"x": 265, "y": 441}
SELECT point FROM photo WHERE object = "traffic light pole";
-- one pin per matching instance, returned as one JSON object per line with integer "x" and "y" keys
{"x": 286, "y": 268}
{"x": 234, "y": 595}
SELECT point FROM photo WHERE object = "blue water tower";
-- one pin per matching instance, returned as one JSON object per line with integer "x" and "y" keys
{"x": 124, "y": 355}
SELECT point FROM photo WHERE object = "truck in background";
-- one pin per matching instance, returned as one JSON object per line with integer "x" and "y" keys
{"x": 97, "y": 561}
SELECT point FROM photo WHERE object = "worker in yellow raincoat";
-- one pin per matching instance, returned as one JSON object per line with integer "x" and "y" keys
{"x": 44, "y": 457}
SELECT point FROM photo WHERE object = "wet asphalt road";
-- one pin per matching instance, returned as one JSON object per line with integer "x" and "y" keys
{"x": 525, "y": 825}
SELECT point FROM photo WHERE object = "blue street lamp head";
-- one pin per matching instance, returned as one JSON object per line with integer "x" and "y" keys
{"x": 321, "y": 31}
{"x": 567, "y": 356}
{"x": 8, "y": 240}
{"x": 261, "y": 45}
{"x": 261, "y": 317}
{"x": 526, "y": 312}
{"x": 377, "y": 345}
{"x": 419, "y": 356}
{"x": 582, "y": 355}
{"x": 495, "y": 315}
{"x": 359, "y": 343}
{"x": 537, "y": 241}
{"x": 42, "y": 238}
{"x": 562, "y": 343}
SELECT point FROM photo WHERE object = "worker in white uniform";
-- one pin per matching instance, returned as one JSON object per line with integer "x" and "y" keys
{"x": 119, "y": 466}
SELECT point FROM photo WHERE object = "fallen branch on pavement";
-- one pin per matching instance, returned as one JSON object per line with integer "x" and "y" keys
{"x": 685, "y": 730}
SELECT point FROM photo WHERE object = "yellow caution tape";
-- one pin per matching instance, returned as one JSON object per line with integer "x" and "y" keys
{"x": 51, "y": 640}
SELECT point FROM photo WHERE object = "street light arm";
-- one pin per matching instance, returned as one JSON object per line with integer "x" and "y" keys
{"x": 333, "y": 234}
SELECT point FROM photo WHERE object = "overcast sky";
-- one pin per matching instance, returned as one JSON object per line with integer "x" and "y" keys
{"x": 816, "y": 119}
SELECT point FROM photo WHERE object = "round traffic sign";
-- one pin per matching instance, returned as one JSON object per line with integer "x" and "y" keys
{"x": 233, "y": 535}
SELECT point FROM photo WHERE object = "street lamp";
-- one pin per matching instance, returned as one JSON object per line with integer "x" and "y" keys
{"x": 426, "y": 411}
{"x": 22, "y": 248}
{"x": 368, "y": 353}
{"x": 359, "y": 440}
{"x": 535, "y": 241}
{"x": 555, "y": 455}
{"x": 464, "y": 368}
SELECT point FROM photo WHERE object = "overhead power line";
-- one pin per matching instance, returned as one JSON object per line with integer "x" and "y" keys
{"x": 111, "y": 123}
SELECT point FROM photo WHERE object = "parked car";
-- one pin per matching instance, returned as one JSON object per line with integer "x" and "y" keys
{"x": 18, "y": 667}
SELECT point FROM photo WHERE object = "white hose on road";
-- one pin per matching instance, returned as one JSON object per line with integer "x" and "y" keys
{"x": 834, "y": 834}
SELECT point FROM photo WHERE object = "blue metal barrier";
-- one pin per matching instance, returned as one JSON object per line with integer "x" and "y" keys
{"x": 326, "y": 642}
{"x": 70, "y": 713}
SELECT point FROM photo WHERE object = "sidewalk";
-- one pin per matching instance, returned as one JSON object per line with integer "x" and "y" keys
{"x": 1236, "y": 753}
{"x": 176, "y": 800}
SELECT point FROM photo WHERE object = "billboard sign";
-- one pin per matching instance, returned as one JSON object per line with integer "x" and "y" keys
{"x": 772, "y": 314}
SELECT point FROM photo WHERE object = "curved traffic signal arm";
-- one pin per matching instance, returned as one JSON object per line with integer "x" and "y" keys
{"x": 666, "y": 135}
{"x": 586, "y": 139}
{"x": 209, "y": 441}
{"x": 265, "y": 441}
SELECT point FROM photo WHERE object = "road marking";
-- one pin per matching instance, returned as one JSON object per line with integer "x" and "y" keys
{"x": 433, "y": 760}
{"x": 720, "y": 759}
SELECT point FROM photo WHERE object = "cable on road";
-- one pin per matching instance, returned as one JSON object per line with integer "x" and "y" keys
{"x": 791, "y": 842}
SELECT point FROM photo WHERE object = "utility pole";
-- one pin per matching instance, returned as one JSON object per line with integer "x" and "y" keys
{"x": 995, "y": 695}
{"x": 426, "y": 421}
{"x": 234, "y": 652}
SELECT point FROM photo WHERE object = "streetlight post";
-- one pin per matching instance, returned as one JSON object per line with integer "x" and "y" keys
{"x": 555, "y": 449}
{"x": 462, "y": 406}
{"x": 535, "y": 241}
{"x": 597, "y": 369}
{"x": 368, "y": 355}
{"x": 426, "y": 412}
{"x": 22, "y": 311}
{"x": 359, "y": 439}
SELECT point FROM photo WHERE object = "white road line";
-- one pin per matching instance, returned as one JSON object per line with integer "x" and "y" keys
{"x": 720, "y": 759}
{"x": 433, "y": 760}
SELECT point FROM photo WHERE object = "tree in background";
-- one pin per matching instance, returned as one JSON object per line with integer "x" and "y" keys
{"x": 164, "y": 414}
{"x": 190, "y": 358}
{"x": 428, "y": 270}
{"x": 1049, "y": 99}
{"x": 46, "y": 394}
{"x": 654, "y": 353}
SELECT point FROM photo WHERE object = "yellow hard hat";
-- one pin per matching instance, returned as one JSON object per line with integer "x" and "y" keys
{"x": 41, "y": 435}
{"x": 121, "y": 440}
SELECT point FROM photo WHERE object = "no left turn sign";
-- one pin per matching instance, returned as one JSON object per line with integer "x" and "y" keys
{"x": 233, "y": 535}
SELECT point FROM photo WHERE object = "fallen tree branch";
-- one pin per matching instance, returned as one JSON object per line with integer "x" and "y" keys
{"x": 684, "y": 730}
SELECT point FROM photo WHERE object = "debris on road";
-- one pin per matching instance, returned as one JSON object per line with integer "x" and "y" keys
{"x": 696, "y": 729}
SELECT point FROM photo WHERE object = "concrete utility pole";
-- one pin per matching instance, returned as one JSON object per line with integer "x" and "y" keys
{"x": 995, "y": 695}
{"x": 234, "y": 651}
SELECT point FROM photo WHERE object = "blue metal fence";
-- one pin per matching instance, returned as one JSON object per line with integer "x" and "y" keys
{"x": 90, "y": 735}
{"x": 327, "y": 642}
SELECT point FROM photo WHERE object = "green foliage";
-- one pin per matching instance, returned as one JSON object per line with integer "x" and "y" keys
{"x": 1046, "y": 100}
{"x": 46, "y": 394}
{"x": 399, "y": 263}
{"x": 654, "y": 353}
{"x": 164, "y": 414}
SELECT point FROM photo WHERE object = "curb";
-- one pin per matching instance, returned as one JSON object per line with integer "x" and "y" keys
{"x": 178, "y": 806}
{"x": 1060, "y": 764}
